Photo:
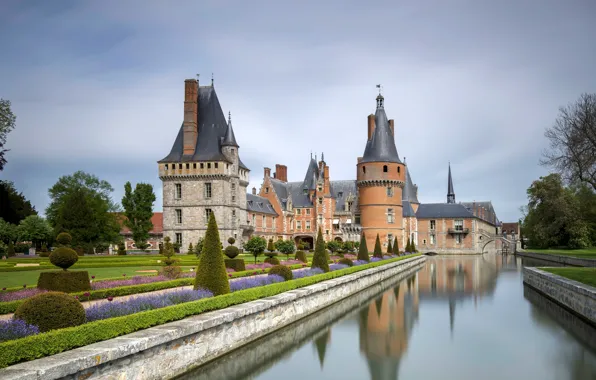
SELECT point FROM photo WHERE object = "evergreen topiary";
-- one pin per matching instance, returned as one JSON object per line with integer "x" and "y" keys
{"x": 51, "y": 310}
{"x": 64, "y": 281}
{"x": 270, "y": 246}
{"x": 395, "y": 247}
{"x": 272, "y": 260}
{"x": 378, "y": 252}
{"x": 345, "y": 261}
{"x": 282, "y": 270}
{"x": 389, "y": 248}
{"x": 237, "y": 264}
{"x": 301, "y": 256}
{"x": 64, "y": 239}
{"x": 363, "y": 249}
{"x": 191, "y": 250}
{"x": 408, "y": 245}
{"x": 211, "y": 272}
{"x": 413, "y": 246}
{"x": 64, "y": 257}
{"x": 231, "y": 251}
{"x": 320, "y": 259}
{"x": 199, "y": 247}
{"x": 10, "y": 250}
{"x": 231, "y": 240}
{"x": 121, "y": 249}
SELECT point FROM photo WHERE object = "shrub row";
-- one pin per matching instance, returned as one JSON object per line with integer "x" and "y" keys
{"x": 56, "y": 341}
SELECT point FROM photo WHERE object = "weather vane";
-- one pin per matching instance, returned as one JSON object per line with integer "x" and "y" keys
{"x": 380, "y": 88}
{"x": 211, "y": 79}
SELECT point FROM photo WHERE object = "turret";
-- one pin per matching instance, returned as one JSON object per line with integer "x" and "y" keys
{"x": 450, "y": 192}
{"x": 229, "y": 146}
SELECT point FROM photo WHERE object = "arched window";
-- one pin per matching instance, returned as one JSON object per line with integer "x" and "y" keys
{"x": 384, "y": 168}
{"x": 399, "y": 171}
{"x": 364, "y": 169}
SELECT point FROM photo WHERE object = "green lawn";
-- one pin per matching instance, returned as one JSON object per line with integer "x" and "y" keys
{"x": 588, "y": 253}
{"x": 584, "y": 275}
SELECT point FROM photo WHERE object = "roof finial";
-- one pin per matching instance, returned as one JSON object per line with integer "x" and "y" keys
{"x": 380, "y": 89}
{"x": 229, "y": 117}
{"x": 380, "y": 97}
{"x": 211, "y": 79}
{"x": 322, "y": 156}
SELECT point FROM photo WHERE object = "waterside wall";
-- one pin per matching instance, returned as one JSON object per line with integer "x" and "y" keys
{"x": 564, "y": 260}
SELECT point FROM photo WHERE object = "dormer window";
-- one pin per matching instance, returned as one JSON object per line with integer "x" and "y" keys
{"x": 305, "y": 191}
{"x": 320, "y": 188}
{"x": 208, "y": 165}
{"x": 267, "y": 190}
{"x": 340, "y": 194}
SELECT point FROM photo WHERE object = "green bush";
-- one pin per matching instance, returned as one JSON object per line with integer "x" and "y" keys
{"x": 190, "y": 251}
{"x": 51, "y": 310}
{"x": 211, "y": 272}
{"x": 301, "y": 255}
{"x": 272, "y": 260}
{"x": 270, "y": 246}
{"x": 10, "y": 250}
{"x": 345, "y": 261}
{"x": 320, "y": 259}
{"x": 231, "y": 240}
{"x": 282, "y": 270}
{"x": 54, "y": 342}
{"x": 44, "y": 254}
{"x": 232, "y": 251}
{"x": 363, "y": 249}
{"x": 22, "y": 248}
{"x": 236, "y": 264}
{"x": 199, "y": 247}
{"x": 270, "y": 254}
{"x": 64, "y": 257}
{"x": 64, "y": 239}
{"x": 121, "y": 249}
{"x": 378, "y": 252}
{"x": 64, "y": 281}
{"x": 171, "y": 271}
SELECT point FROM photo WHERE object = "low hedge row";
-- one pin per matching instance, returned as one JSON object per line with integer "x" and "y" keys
{"x": 11, "y": 306}
{"x": 56, "y": 341}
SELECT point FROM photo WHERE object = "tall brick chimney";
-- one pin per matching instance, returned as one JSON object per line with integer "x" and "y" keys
{"x": 371, "y": 125}
{"x": 254, "y": 191}
{"x": 267, "y": 172}
{"x": 392, "y": 126}
{"x": 191, "y": 89}
{"x": 281, "y": 172}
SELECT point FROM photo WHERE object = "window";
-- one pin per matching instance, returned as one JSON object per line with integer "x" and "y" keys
{"x": 254, "y": 220}
{"x": 264, "y": 221}
{"x": 216, "y": 165}
{"x": 385, "y": 169}
{"x": 307, "y": 211}
{"x": 458, "y": 239}
{"x": 208, "y": 213}
{"x": 202, "y": 165}
{"x": 459, "y": 225}
{"x": 433, "y": 225}
{"x": 299, "y": 225}
{"x": 207, "y": 190}
{"x": 233, "y": 213}
{"x": 326, "y": 232}
{"x": 357, "y": 219}
{"x": 340, "y": 194}
{"x": 166, "y": 166}
{"x": 273, "y": 223}
{"x": 390, "y": 216}
{"x": 304, "y": 191}
{"x": 178, "y": 216}
{"x": 389, "y": 191}
{"x": 320, "y": 219}
{"x": 433, "y": 239}
{"x": 178, "y": 192}
{"x": 424, "y": 241}
{"x": 179, "y": 238}
{"x": 179, "y": 166}
{"x": 194, "y": 165}
{"x": 364, "y": 169}
{"x": 188, "y": 166}
{"x": 320, "y": 201}
{"x": 398, "y": 170}
{"x": 233, "y": 193}
{"x": 349, "y": 205}
{"x": 232, "y": 150}
{"x": 320, "y": 188}
{"x": 298, "y": 211}
{"x": 267, "y": 190}
{"x": 308, "y": 225}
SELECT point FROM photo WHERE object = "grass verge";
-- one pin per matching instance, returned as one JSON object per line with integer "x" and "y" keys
{"x": 584, "y": 275}
{"x": 588, "y": 253}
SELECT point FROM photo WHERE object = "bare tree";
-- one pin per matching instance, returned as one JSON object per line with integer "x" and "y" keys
{"x": 572, "y": 150}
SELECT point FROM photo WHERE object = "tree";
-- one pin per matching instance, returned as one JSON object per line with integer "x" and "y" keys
{"x": 138, "y": 209}
{"x": 408, "y": 246}
{"x": 333, "y": 246}
{"x": 36, "y": 229}
{"x": 199, "y": 247}
{"x": 8, "y": 232}
{"x": 256, "y": 245}
{"x": 363, "y": 249}
{"x": 170, "y": 269}
{"x": 319, "y": 259}
{"x": 286, "y": 247}
{"x": 14, "y": 207}
{"x": 413, "y": 246}
{"x": 395, "y": 247}
{"x": 81, "y": 204}
{"x": 211, "y": 272}
{"x": 586, "y": 197}
{"x": 7, "y": 124}
{"x": 348, "y": 246}
{"x": 572, "y": 150}
{"x": 190, "y": 249}
{"x": 378, "y": 252}
{"x": 389, "y": 248}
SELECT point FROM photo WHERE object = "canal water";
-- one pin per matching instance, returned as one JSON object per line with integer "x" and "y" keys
{"x": 458, "y": 317}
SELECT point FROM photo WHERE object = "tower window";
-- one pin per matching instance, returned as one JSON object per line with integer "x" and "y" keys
{"x": 389, "y": 191}
{"x": 178, "y": 216}
{"x": 398, "y": 170}
{"x": 166, "y": 166}
{"x": 267, "y": 190}
{"x": 188, "y": 166}
{"x": 216, "y": 165}
{"x": 178, "y": 194}
{"x": 202, "y": 165}
{"x": 194, "y": 165}
{"x": 385, "y": 168}
{"x": 179, "y": 238}
{"x": 390, "y": 216}
{"x": 179, "y": 166}
{"x": 233, "y": 150}
{"x": 208, "y": 213}
{"x": 208, "y": 190}
{"x": 208, "y": 165}
{"x": 364, "y": 169}
{"x": 320, "y": 201}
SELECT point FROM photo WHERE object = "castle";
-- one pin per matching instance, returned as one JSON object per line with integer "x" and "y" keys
{"x": 203, "y": 174}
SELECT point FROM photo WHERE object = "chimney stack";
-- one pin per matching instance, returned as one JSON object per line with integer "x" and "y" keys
{"x": 267, "y": 172}
{"x": 392, "y": 126}
{"x": 254, "y": 191}
{"x": 371, "y": 125}
{"x": 191, "y": 89}
{"x": 281, "y": 172}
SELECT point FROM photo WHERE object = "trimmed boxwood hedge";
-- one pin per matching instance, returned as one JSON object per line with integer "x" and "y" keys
{"x": 236, "y": 264}
{"x": 54, "y": 342}
{"x": 64, "y": 281}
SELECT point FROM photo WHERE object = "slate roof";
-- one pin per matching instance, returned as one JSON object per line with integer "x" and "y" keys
{"x": 346, "y": 188}
{"x": 255, "y": 203}
{"x": 381, "y": 146}
{"x": 407, "y": 210}
{"x": 443, "y": 210}
{"x": 212, "y": 128}
{"x": 490, "y": 215}
{"x": 312, "y": 173}
{"x": 409, "y": 193}
{"x": 229, "y": 139}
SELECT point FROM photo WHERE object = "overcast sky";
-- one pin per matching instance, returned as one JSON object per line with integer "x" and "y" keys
{"x": 99, "y": 85}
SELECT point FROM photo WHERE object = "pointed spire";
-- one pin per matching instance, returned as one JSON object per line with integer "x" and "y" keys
{"x": 450, "y": 192}
{"x": 381, "y": 146}
{"x": 322, "y": 156}
{"x": 229, "y": 138}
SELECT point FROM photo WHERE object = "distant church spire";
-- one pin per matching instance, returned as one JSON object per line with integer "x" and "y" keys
{"x": 450, "y": 192}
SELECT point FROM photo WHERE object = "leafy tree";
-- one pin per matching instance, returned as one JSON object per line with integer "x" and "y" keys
{"x": 36, "y": 229}
{"x": 8, "y": 232}
{"x": 138, "y": 209}
{"x": 572, "y": 150}
{"x": 586, "y": 197}
{"x": 395, "y": 247}
{"x": 378, "y": 251}
{"x": 256, "y": 245}
{"x": 389, "y": 248}
{"x": 333, "y": 246}
{"x": 14, "y": 207}
{"x": 363, "y": 249}
{"x": 286, "y": 247}
{"x": 319, "y": 259}
{"x": 7, "y": 124}
{"x": 211, "y": 272}
{"x": 10, "y": 251}
{"x": 348, "y": 246}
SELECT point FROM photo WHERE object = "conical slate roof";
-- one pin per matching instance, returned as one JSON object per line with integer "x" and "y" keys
{"x": 312, "y": 173}
{"x": 229, "y": 138}
{"x": 450, "y": 192}
{"x": 381, "y": 146}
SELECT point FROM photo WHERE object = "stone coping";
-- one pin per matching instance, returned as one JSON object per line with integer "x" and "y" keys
{"x": 80, "y": 359}
{"x": 567, "y": 260}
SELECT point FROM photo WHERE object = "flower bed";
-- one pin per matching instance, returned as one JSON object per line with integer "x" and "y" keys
{"x": 16, "y": 328}
{"x": 56, "y": 341}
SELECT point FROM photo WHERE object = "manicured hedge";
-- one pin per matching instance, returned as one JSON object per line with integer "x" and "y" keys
{"x": 56, "y": 341}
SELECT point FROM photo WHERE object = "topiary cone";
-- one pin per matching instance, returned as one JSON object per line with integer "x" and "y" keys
{"x": 211, "y": 272}
{"x": 319, "y": 259}
{"x": 389, "y": 248}
{"x": 378, "y": 252}
{"x": 363, "y": 249}
{"x": 408, "y": 246}
{"x": 395, "y": 247}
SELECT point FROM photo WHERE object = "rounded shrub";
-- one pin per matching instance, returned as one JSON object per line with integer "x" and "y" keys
{"x": 301, "y": 255}
{"x": 64, "y": 257}
{"x": 231, "y": 240}
{"x": 272, "y": 260}
{"x": 345, "y": 261}
{"x": 51, "y": 310}
{"x": 281, "y": 270}
{"x": 64, "y": 238}
{"x": 237, "y": 265}
{"x": 231, "y": 251}
{"x": 270, "y": 254}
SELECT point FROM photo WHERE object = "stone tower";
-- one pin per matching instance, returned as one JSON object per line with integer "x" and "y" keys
{"x": 203, "y": 173}
{"x": 380, "y": 179}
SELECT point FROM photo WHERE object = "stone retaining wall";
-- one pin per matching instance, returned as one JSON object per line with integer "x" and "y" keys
{"x": 578, "y": 297}
{"x": 168, "y": 350}
{"x": 565, "y": 260}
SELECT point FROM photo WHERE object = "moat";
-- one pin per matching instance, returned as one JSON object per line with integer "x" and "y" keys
{"x": 462, "y": 317}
